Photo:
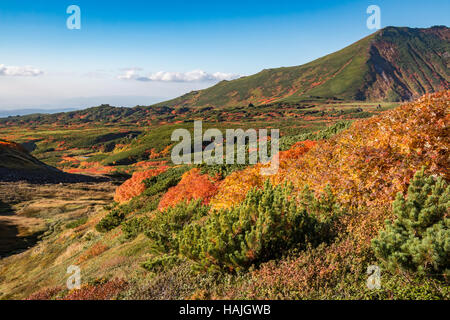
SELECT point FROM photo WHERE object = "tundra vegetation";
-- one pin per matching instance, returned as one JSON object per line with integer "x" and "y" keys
{"x": 351, "y": 191}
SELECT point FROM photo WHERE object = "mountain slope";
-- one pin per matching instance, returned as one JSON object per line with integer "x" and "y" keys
{"x": 17, "y": 164}
{"x": 393, "y": 64}
{"x": 365, "y": 165}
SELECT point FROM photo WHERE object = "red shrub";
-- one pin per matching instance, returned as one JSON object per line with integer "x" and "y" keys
{"x": 193, "y": 185}
{"x": 105, "y": 290}
{"x": 135, "y": 186}
{"x": 45, "y": 294}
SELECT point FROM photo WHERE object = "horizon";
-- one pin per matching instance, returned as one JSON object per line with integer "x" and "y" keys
{"x": 165, "y": 53}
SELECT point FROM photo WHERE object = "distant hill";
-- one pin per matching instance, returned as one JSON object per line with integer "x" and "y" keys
{"x": 393, "y": 64}
{"x": 16, "y": 164}
{"x": 23, "y": 112}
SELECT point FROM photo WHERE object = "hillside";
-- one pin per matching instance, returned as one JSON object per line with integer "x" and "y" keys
{"x": 17, "y": 164}
{"x": 393, "y": 64}
{"x": 311, "y": 239}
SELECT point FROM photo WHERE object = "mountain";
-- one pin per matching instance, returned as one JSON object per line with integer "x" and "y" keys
{"x": 16, "y": 164}
{"x": 393, "y": 64}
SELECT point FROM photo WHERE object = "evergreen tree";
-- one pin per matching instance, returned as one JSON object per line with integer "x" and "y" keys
{"x": 419, "y": 239}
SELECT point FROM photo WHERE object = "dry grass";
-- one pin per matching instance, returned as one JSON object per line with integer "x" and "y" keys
{"x": 37, "y": 208}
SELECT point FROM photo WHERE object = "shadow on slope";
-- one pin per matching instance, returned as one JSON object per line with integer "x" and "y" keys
{"x": 16, "y": 164}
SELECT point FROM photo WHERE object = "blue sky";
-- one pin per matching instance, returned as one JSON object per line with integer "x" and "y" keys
{"x": 130, "y": 52}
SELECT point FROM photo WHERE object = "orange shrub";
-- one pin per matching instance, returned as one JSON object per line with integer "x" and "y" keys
{"x": 135, "y": 185}
{"x": 11, "y": 145}
{"x": 154, "y": 154}
{"x": 367, "y": 165}
{"x": 235, "y": 187}
{"x": 193, "y": 185}
{"x": 93, "y": 251}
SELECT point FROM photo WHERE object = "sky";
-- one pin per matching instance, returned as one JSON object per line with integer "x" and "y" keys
{"x": 141, "y": 52}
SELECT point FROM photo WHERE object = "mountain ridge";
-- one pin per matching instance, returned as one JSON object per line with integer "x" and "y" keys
{"x": 393, "y": 64}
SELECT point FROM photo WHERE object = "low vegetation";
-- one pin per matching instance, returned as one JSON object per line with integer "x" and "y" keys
{"x": 370, "y": 192}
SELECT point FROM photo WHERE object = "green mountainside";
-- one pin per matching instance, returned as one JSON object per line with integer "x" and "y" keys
{"x": 393, "y": 64}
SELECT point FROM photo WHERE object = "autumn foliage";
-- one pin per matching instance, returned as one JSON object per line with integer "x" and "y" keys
{"x": 92, "y": 252}
{"x": 11, "y": 145}
{"x": 235, "y": 187}
{"x": 135, "y": 186}
{"x": 193, "y": 186}
{"x": 365, "y": 167}
{"x": 45, "y": 293}
{"x": 103, "y": 290}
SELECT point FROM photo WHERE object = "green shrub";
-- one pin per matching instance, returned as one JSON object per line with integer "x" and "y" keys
{"x": 160, "y": 262}
{"x": 419, "y": 239}
{"x": 416, "y": 288}
{"x": 76, "y": 223}
{"x": 134, "y": 226}
{"x": 164, "y": 227}
{"x": 162, "y": 182}
{"x": 287, "y": 141}
{"x": 263, "y": 227}
{"x": 110, "y": 221}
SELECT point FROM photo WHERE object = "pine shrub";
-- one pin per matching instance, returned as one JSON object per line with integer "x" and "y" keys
{"x": 268, "y": 222}
{"x": 110, "y": 221}
{"x": 133, "y": 227}
{"x": 164, "y": 228}
{"x": 419, "y": 239}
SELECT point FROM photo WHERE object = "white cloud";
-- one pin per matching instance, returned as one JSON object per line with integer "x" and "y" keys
{"x": 129, "y": 74}
{"x": 190, "y": 76}
{"x": 25, "y": 71}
